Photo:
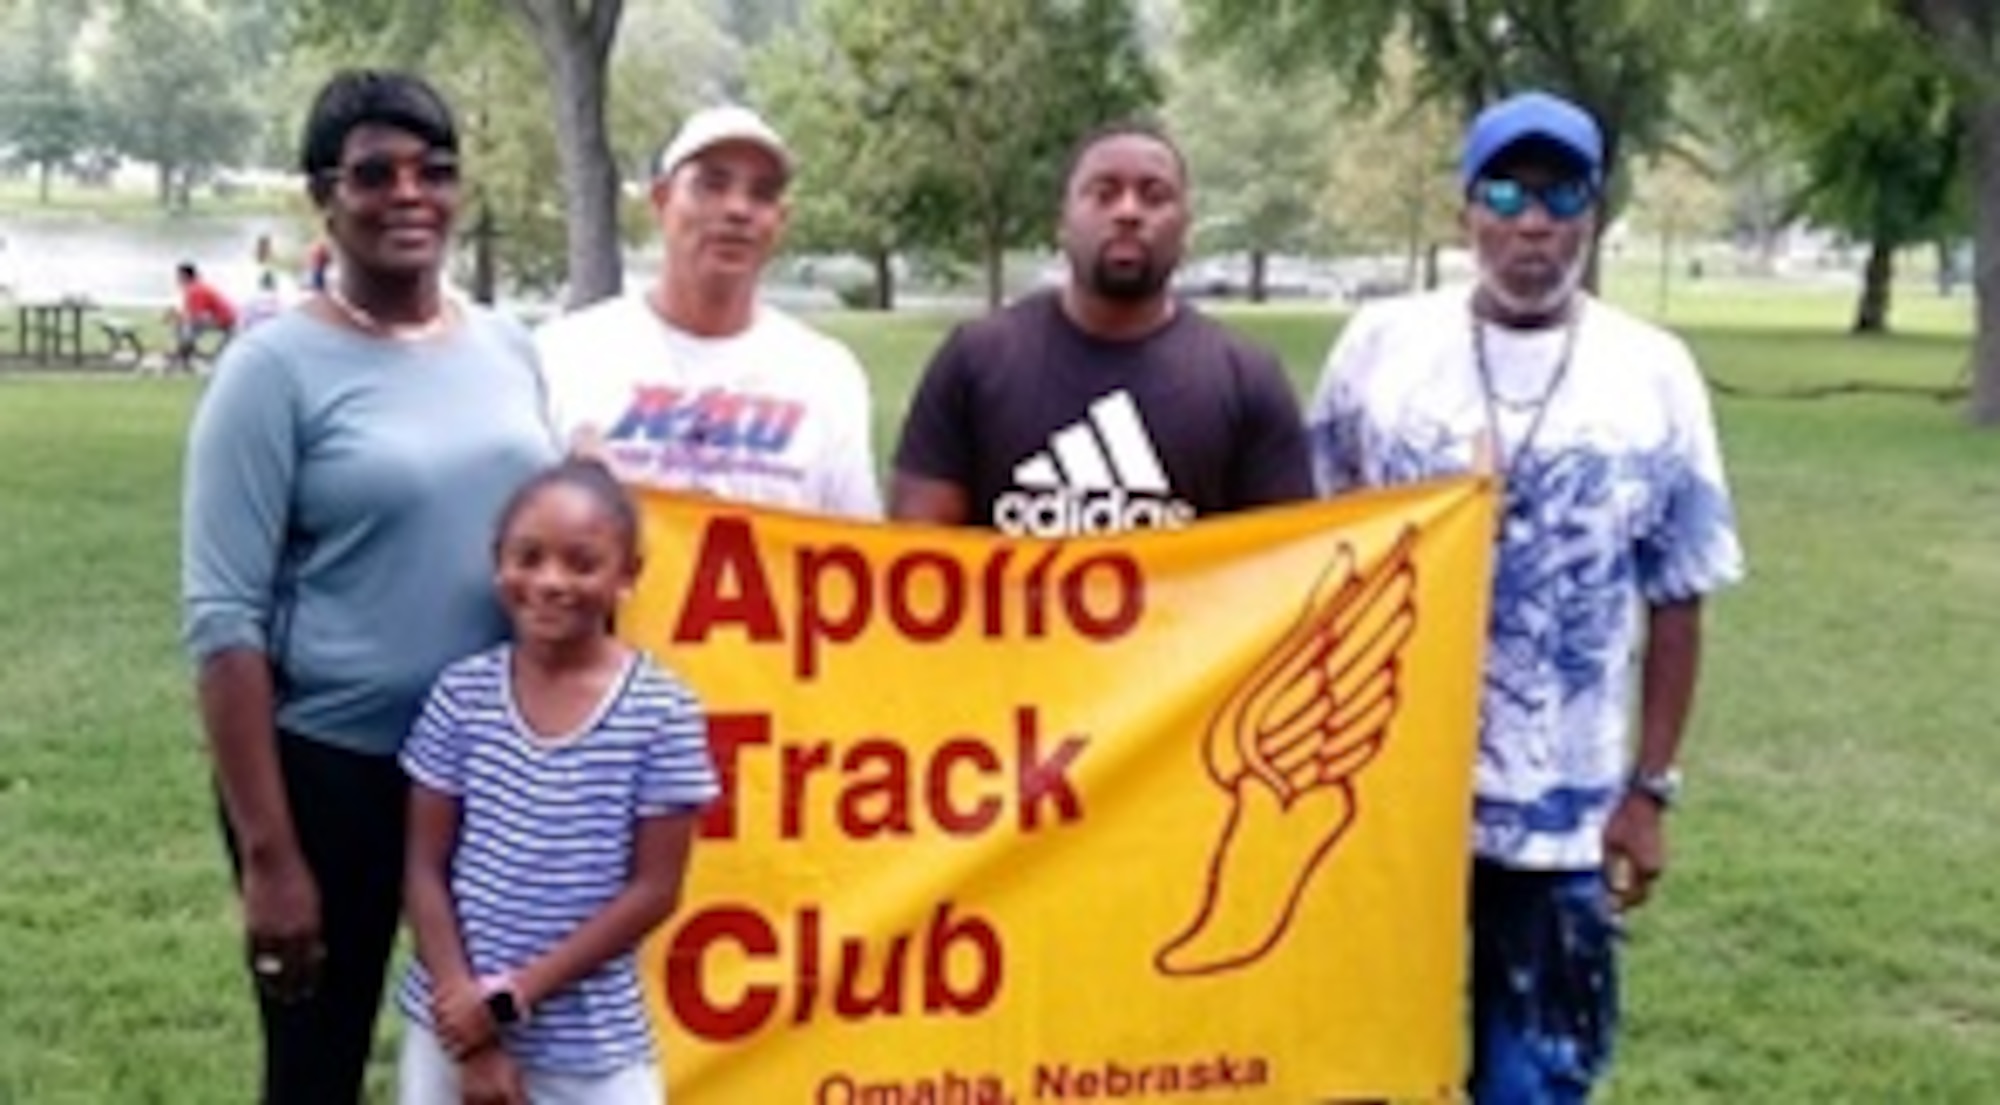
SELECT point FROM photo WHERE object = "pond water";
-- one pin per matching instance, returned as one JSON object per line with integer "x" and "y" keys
{"x": 130, "y": 262}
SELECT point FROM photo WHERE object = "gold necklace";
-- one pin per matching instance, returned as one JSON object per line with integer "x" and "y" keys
{"x": 394, "y": 331}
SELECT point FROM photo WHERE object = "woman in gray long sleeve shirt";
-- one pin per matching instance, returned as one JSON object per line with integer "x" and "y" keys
{"x": 345, "y": 470}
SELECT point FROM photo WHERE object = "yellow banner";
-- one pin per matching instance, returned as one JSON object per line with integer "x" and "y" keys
{"x": 1157, "y": 817}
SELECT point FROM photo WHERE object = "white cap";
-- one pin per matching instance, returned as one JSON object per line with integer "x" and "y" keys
{"x": 711, "y": 127}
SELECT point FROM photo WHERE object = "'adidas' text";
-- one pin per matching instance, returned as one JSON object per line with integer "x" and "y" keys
{"x": 1071, "y": 513}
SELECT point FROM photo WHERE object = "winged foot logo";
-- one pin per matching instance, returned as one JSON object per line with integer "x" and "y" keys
{"x": 1286, "y": 747}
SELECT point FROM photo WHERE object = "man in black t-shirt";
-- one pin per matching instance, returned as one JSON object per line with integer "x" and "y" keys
{"x": 1109, "y": 405}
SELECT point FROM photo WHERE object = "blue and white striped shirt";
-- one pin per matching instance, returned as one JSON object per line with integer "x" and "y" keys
{"x": 545, "y": 839}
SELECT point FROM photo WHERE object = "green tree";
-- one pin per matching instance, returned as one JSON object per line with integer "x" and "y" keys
{"x": 1100, "y": 48}
{"x": 511, "y": 206}
{"x": 43, "y": 113}
{"x": 990, "y": 97}
{"x": 864, "y": 183}
{"x": 520, "y": 216}
{"x": 1737, "y": 141}
{"x": 167, "y": 93}
{"x": 756, "y": 22}
{"x": 1619, "y": 58}
{"x": 1394, "y": 182}
{"x": 1008, "y": 90}
{"x": 260, "y": 36}
{"x": 398, "y": 33}
{"x": 574, "y": 39}
{"x": 1677, "y": 197}
{"x": 1260, "y": 150}
{"x": 1891, "y": 181}
{"x": 1868, "y": 116}
{"x": 1966, "y": 35}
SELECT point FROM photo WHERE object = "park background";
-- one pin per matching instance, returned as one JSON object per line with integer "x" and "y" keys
{"x": 1799, "y": 195}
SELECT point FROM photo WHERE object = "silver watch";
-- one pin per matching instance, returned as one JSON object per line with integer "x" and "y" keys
{"x": 1663, "y": 787}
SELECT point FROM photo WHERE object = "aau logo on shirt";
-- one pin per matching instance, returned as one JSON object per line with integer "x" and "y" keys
{"x": 712, "y": 418}
{"x": 1100, "y": 475}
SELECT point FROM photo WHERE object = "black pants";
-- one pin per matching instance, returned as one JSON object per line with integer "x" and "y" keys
{"x": 348, "y": 810}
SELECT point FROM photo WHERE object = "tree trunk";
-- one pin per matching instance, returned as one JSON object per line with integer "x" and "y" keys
{"x": 885, "y": 280}
{"x": 1663, "y": 293}
{"x": 1963, "y": 31}
{"x": 1259, "y": 262}
{"x": 1610, "y": 202}
{"x": 1415, "y": 248}
{"x": 48, "y": 170}
{"x": 1985, "y": 143}
{"x": 485, "y": 267}
{"x": 485, "y": 229}
{"x": 1593, "y": 262}
{"x": 1871, "y": 314}
{"x": 996, "y": 268}
{"x": 1433, "y": 274}
{"x": 576, "y": 47}
{"x": 163, "y": 175}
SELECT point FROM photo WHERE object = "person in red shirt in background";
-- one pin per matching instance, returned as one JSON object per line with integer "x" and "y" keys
{"x": 203, "y": 310}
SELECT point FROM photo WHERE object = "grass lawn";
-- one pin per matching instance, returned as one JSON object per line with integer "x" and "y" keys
{"x": 1828, "y": 933}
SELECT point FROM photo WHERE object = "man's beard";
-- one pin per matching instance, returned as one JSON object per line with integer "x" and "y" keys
{"x": 1128, "y": 282}
{"x": 1548, "y": 301}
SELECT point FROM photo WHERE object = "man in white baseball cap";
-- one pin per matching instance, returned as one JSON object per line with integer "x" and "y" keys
{"x": 714, "y": 126}
{"x": 695, "y": 384}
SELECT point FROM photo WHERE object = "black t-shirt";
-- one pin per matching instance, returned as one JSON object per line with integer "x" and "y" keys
{"x": 1054, "y": 432}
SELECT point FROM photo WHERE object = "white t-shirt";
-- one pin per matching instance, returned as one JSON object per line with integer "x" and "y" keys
{"x": 1616, "y": 498}
{"x": 778, "y": 414}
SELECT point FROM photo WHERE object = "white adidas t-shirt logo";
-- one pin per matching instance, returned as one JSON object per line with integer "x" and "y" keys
{"x": 1100, "y": 475}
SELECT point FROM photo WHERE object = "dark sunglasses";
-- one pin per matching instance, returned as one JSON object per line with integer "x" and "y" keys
{"x": 1563, "y": 200}
{"x": 381, "y": 173}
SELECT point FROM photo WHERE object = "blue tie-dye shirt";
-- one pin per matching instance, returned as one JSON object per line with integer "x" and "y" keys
{"x": 1615, "y": 499}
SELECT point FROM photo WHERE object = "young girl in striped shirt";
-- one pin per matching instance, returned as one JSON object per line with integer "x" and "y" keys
{"x": 555, "y": 783}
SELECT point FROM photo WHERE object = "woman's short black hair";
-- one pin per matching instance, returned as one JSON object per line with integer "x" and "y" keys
{"x": 356, "y": 97}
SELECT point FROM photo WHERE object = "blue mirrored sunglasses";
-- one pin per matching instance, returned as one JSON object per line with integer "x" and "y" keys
{"x": 1563, "y": 200}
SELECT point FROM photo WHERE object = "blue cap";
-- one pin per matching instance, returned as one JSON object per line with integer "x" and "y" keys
{"x": 1533, "y": 115}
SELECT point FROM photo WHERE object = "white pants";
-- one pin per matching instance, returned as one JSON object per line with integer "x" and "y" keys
{"x": 428, "y": 1075}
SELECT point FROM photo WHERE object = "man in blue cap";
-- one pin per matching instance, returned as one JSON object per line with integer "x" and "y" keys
{"x": 1616, "y": 523}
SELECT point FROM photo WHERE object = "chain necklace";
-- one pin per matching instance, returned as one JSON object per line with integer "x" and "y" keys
{"x": 366, "y": 322}
{"x": 1504, "y": 459}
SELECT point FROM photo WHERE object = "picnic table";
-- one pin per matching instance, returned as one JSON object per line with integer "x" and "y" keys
{"x": 64, "y": 332}
{"x": 50, "y": 330}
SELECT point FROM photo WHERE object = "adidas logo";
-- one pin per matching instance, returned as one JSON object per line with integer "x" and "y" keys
{"x": 1100, "y": 475}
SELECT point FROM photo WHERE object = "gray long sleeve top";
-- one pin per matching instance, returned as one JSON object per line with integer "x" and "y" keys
{"x": 339, "y": 510}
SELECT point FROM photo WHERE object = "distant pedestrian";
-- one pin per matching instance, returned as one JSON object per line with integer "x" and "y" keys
{"x": 203, "y": 312}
